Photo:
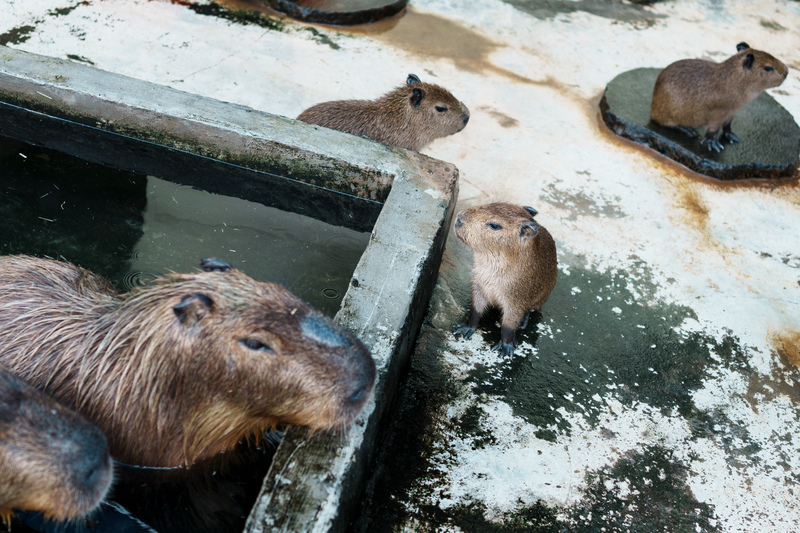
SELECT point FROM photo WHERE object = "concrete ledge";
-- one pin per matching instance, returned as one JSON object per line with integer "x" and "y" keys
{"x": 315, "y": 480}
{"x": 227, "y": 132}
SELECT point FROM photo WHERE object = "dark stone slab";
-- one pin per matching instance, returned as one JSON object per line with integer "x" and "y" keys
{"x": 770, "y": 137}
{"x": 338, "y": 12}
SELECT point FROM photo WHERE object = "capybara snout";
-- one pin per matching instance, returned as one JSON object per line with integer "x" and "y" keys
{"x": 358, "y": 369}
{"x": 184, "y": 368}
{"x": 52, "y": 460}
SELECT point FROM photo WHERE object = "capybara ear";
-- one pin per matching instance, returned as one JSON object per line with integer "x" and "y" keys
{"x": 192, "y": 307}
{"x": 748, "y": 61}
{"x": 210, "y": 264}
{"x": 742, "y": 46}
{"x": 529, "y": 230}
{"x": 412, "y": 79}
{"x": 416, "y": 97}
{"x": 530, "y": 210}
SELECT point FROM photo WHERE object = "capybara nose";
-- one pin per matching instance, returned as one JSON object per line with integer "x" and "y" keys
{"x": 459, "y": 220}
{"x": 96, "y": 470}
{"x": 466, "y": 117}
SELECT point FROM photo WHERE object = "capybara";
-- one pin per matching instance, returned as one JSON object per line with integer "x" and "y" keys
{"x": 411, "y": 116}
{"x": 695, "y": 93}
{"x": 52, "y": 459}
{"x": 183, "y": 368}
{"x": 515, "y": 266}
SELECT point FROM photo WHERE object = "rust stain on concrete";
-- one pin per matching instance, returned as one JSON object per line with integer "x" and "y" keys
{"x": 787, "y": 345}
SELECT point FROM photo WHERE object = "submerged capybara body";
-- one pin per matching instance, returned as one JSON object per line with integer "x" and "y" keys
{"x": 695, "y": 93}
{"x": 181, "y": 369}
{"x": 515, "y": 265}
{"x": 411, "y": 116}
{"x": 52, "y": 460}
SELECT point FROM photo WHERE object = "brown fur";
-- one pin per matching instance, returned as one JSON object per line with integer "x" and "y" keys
{"x": 184, "y": 368}
{"x": 695, "y": 93}
{"x": 410, "y": 116}
{"x": 515, "y": 265}
{"x": 52, "y": 460}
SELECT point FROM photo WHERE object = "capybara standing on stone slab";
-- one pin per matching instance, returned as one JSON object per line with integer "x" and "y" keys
{"x": 410, "y": 116}
{"x": 52, "y": 460}
{"x": 515, "y": 266}
{"x": 695, "y": 93}
{"x": 182, "y": 369}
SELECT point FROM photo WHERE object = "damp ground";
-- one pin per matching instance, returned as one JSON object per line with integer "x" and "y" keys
{"x": 657, "y": 391}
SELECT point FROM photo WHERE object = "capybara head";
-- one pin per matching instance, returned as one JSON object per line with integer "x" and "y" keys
{"x": 52, "y": 460}
{"x": 433, "y": 108}
{"x": 761, "y": 70}
{"x": 497, "y": 228}
{"x": 184, "y": 368}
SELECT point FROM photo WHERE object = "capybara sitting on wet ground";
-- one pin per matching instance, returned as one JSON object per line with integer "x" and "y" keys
{"x": 515, "y": 266}
{"x": 411, "y": 116}
{"x": 52, "y": 460}
{"x": 184, "y": 368}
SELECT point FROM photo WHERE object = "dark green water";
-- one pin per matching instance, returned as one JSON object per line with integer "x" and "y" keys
{"x": 131, "y": 228}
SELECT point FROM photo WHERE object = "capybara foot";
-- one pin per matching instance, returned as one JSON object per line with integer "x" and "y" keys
{"x": 729, "y": 137}
{"x": 505, "y": 348}
{"x": 464, "y": 330}
{"x": 712, "y": 144}
{"x": 690, "y": 132}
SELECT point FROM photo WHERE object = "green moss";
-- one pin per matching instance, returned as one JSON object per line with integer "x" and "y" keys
{"x": 239, "y": 16}
{"x": 16, "y": 35}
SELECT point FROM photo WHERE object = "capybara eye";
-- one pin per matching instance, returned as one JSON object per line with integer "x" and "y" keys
{"x": 768, "y": 69}
{"x": 256, "y": 345}
{"x": 494, "y": 226}
{"x": 441, "y": 108}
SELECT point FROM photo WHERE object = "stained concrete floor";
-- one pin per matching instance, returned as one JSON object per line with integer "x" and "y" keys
{"x": 659, "y": 390}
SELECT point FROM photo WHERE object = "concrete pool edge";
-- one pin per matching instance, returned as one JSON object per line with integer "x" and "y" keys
{"x": 203, "y": 126}
{"x": 314, "y": 482}
{"x": 319, "y": 477}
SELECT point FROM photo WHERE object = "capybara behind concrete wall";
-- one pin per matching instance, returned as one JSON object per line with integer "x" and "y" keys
{"x": 515, "y": 265}
{"x": 695, "y": 93}
{"x": 52, "y": 459}
{"x": 411, "y": 116}
{"x": 181, "y": 369}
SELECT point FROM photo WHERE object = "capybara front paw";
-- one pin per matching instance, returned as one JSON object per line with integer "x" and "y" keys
{"x": 504, "y": 348}
{"x": 465, "y": 330}
{"x": 729, "y": 137}
{"x": 713, "y": 144}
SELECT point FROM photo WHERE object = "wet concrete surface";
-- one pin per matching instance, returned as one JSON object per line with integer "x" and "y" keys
{"x": 770, "y": 138}
{"x": 658, "y": 390}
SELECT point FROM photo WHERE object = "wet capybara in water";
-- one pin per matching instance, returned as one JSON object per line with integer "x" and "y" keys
{"x": 515, "y": 265}
{"x": 411, "y": 116}
{"x": 184, "y": 368}
{"x": 52, "y": 459}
